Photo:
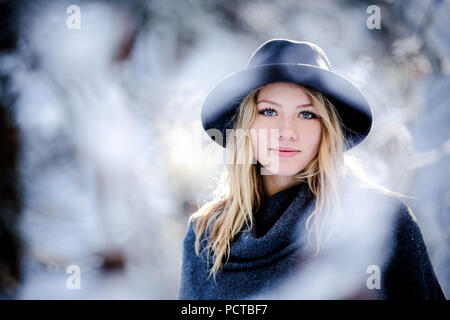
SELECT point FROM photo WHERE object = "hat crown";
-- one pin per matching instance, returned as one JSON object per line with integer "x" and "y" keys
{"x": 289, "y": 51}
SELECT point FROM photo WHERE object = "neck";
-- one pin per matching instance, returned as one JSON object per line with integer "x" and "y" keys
{"x": 274, "y": 183}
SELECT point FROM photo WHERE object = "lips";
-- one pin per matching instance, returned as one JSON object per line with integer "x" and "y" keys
{"x": 286, "y": 152}
{"x": 287, "y": 149}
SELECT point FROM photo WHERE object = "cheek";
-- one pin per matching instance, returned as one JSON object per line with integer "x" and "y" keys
{"x": 260, "y": 131}
{"x": 311, "y": 136}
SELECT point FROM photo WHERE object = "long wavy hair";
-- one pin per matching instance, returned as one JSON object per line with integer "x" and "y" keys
{"x": 239, "y": 192}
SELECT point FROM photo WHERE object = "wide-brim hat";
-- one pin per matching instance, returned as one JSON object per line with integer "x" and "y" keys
{"x": 283, "y": 60}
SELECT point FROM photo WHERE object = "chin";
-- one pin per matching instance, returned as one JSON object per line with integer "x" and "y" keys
{"x": 283, "y": 171}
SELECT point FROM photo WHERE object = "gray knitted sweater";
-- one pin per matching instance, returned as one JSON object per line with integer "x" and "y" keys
{"x": 266, "y": 261}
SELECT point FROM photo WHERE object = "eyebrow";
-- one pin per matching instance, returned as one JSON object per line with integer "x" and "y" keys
{"x": 279, "y": 105}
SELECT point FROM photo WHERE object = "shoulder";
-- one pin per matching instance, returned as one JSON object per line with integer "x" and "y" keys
{"x": 407, "y": 268}
{"x": 386, "y": 212}
{"x": 405, "y": 223}
{"x": 189, "y": 237}
{"x": 409, "y": 272}
{"x": 402, "y": 222}
{"x": 189, "y": 265}
{"x": 408, "y": 240}
{"x": 190, "y": 257}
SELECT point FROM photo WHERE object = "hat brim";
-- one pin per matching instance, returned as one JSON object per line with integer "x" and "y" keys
{"x": 220, "y": 105}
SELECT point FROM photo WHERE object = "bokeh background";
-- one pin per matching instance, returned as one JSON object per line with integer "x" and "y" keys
{"x": 102, "y": 153}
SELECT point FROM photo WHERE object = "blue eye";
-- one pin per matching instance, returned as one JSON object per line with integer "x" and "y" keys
{"x": 267, "y": 112}
{"x": 310, "y": 115}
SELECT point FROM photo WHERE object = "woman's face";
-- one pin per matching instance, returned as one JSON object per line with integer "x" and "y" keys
{"x": 292, "y": 129}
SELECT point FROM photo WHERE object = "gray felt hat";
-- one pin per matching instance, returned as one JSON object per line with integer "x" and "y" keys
{"x": 283, "y": 60}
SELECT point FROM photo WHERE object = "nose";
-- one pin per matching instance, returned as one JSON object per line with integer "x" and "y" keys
{"x": 287, "y": 130}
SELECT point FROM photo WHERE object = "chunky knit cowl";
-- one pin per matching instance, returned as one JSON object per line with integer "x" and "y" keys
{"x": 273, "y": 259}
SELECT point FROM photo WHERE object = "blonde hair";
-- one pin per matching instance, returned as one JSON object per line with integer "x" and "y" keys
{"x": 223, "y": 218}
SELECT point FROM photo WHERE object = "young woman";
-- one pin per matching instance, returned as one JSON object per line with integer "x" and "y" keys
{"x": 286, "y": 122}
